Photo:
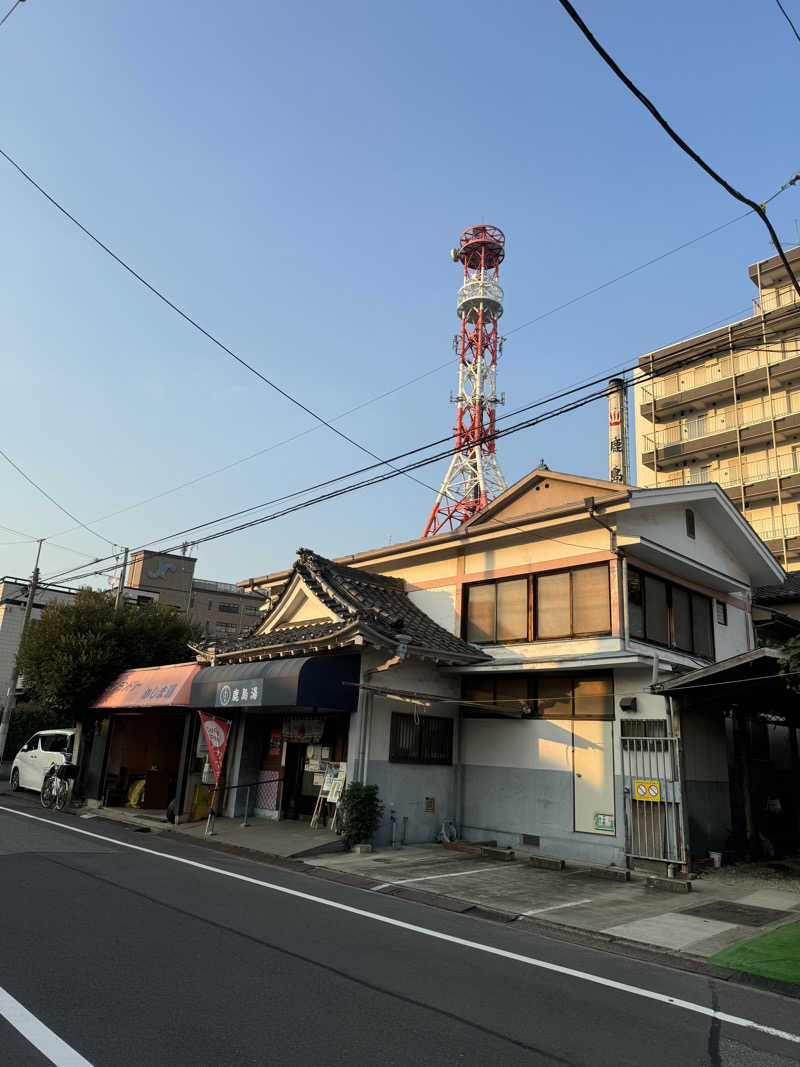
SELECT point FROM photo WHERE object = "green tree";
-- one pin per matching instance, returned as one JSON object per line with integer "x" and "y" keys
{"x": 76, "y": 649}
{"x": 790, "y": 663}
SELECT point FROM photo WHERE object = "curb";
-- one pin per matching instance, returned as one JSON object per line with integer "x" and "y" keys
{"x": 547, "y": 928}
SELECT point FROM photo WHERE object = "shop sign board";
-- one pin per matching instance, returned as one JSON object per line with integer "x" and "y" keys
{"x": 246, "y": 693}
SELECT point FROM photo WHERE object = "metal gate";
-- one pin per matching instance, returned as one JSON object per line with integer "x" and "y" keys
{"x": 652, "y": 783}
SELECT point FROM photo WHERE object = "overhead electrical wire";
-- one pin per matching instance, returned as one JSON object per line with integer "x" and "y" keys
{"x": 643, "y": 376}
{"x": 193, "y": 322}
{"x": 788, "y": 19}
{"x": 10, "y": 11}
{"x": 759, "y": 209}
{"x": 52, "y": 500}
{"x": 318, "y": 418}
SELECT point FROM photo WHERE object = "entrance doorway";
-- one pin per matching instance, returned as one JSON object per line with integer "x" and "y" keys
{"x": 292, "y": 802}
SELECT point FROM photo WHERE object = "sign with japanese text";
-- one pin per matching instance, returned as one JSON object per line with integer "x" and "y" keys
{"x": 246, "y": 693}
{"x": 216, "y": 731}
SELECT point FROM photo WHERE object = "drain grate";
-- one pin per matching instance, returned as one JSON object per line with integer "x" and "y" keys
{"x": 728, "y": 911}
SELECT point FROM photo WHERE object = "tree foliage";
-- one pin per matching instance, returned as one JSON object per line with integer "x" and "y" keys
{"x": 76, "y": 649}
{"x": 790, "y": 663}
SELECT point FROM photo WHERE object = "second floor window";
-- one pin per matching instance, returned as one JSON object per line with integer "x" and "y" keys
{"x": 663, "y": 613}
{"x": 571, "y": 603}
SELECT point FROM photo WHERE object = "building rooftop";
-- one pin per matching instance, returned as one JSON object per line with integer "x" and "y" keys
{"x": 366, "y": 605}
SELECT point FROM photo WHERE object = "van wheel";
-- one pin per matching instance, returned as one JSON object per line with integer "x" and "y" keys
{"x": 15, "y": 780}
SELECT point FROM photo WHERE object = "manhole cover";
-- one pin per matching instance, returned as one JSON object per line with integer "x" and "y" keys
{"x": 728, "y": 911}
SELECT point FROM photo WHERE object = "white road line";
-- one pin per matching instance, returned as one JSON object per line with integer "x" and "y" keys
{"x": 555, "y": 907}
{"x": 477, "y": 946}
{"x": 40, "y": 1036}
{"x": 429, "y": 877}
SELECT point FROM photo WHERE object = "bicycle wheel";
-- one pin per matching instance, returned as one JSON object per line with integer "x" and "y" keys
{"x": 62, "y": 794}
{"x": 47, "y": 794}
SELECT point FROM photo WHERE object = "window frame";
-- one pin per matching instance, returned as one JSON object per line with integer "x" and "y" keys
{"x": 669, "y": 586}
{"x": 395, "y": 722}
{"x": 533, "y": 712}
{"x": 532, "y": 579}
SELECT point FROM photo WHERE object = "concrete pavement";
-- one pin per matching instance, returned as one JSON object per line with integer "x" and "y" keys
{"x": 149, "y": 950}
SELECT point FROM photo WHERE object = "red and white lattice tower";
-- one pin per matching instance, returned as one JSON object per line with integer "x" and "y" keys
{"x": 474, "y": 477}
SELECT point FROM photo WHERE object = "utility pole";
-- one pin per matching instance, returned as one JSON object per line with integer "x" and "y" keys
{"x": 121, "y": 584}
{"x": 11, "y": 696}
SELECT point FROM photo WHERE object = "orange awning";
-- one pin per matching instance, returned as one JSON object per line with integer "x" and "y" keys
{"x": 151, "y": 687}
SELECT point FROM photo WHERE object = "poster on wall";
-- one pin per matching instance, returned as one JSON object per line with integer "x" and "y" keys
{"x": 275, "y": 743}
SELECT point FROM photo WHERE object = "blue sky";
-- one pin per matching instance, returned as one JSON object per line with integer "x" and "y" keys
{"x": 294, "y": 176}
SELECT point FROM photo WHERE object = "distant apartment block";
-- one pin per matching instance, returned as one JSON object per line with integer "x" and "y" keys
{"x": 220, "y": 608}
{"x": 725, "y": 407}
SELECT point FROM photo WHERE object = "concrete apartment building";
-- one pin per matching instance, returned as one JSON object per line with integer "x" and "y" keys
{"x": 725, "y": 407}
{"x": 221, "y": 608}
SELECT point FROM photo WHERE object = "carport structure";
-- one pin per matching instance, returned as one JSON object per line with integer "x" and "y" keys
{"x": 738, "y": 721}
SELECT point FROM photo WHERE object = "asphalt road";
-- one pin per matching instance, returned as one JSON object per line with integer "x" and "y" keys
{"x": 131, "y": 958}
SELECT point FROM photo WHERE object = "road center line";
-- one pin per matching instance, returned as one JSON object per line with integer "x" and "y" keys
{"x": 555, "y": 907}
{"x": 429, "y": 877}
{"x": 40, "y": 1036}
{"x": 476, "y": 946}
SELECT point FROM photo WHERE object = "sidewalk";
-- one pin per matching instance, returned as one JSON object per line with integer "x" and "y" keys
{"x": 725, "y": 908}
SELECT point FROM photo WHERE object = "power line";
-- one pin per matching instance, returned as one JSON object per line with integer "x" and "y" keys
{"x": 10, "y": 11}
{"x": 52, "y": 500}
{"x": 786, "y": 16}
{"x": 679, "y": 141}
{"x": 319, "y": 419}
{"x": 499, "y": 433}
{"x": 193, "y": 322}
{"x": 628, "y": 273}
{"x": 643, "y": 377}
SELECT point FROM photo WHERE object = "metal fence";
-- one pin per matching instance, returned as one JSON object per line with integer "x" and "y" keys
{"x": 652, "y": 782}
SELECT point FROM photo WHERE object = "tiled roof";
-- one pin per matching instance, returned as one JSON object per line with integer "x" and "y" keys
{"x": 368, "y": 605}
{"x": 773, "y": 594}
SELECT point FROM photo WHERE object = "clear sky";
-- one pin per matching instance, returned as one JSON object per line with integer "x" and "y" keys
{"x": 293, "y": 175}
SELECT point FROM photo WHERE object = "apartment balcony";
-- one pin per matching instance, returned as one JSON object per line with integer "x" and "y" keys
{"x": 753, "y": 481}
{"x": 717, "y": 431}
{"x": 691, "y": 386}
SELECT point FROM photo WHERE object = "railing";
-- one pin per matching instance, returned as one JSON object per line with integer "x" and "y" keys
{"x": 720, "y": 421}
{"x": 791, "y": 528}
{"x": 718, "y": 371}
{"x": 751, "y": 472}
{"x": 212, "y": 814}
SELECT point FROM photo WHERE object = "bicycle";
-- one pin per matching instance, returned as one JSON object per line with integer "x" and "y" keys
{"x": 57, "y": 785}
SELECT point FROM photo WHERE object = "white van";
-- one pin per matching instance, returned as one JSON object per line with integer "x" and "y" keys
{"x": 38, "y": 755}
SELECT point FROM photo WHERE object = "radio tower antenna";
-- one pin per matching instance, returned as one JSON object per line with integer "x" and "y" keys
{"x": 474, "y": 477}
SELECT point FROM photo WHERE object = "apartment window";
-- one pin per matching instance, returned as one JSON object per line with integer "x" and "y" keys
{"x": 667, "y": 614}
{"x": 228, "y": 609}
{"x": 722, "y": 612}
{"x": 539, "y": 696}
{"x": 572, "y": 603}
{"x": 429, "y": 739}
{"x": 689, "y": 515}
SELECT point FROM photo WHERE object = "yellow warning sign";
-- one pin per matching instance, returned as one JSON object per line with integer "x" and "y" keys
{"x": 647, "y": 789}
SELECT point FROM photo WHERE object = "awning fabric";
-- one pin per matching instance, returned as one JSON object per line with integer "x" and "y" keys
{"x": 304, "y": 682}
{"x": 151, "y": 687}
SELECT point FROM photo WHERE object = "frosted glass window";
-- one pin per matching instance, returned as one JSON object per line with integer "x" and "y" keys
{"x": 553, "y": 605}
{"x": 481, "y": 613}
{"x": 591, "y": 607}
{"x": 512, "y": 610}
